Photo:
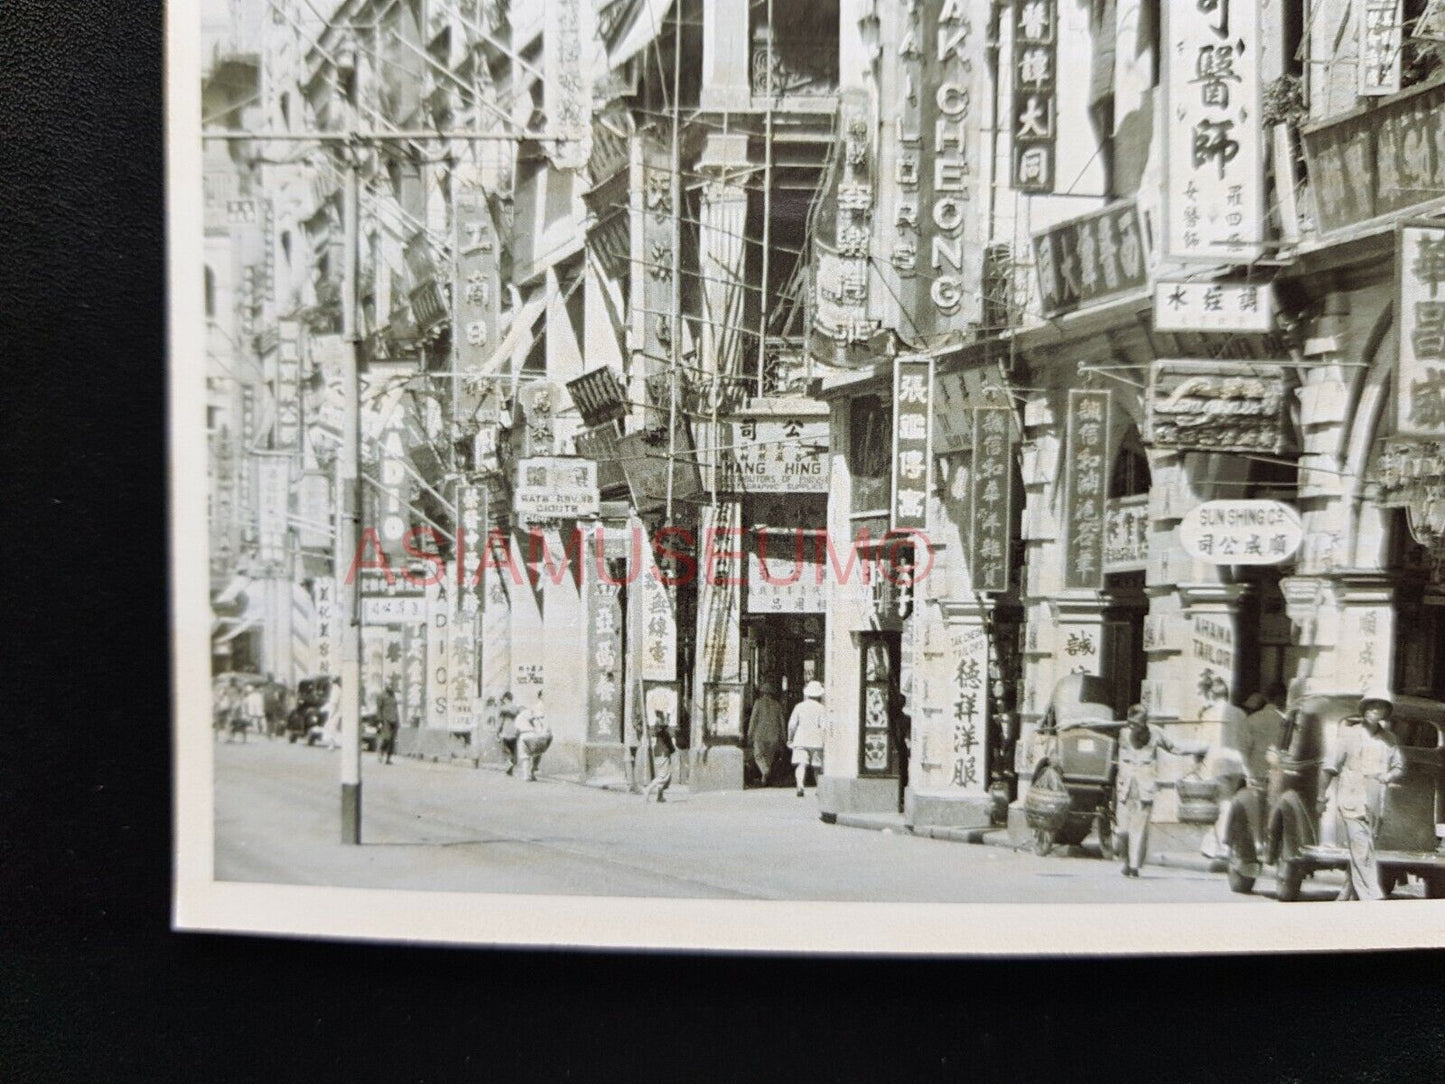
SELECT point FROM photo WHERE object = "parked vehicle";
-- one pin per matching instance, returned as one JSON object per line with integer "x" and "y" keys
{"x": 1280, "y": 827}
{"x": 307, "y": 720}
{"x": 1072, "y": 787}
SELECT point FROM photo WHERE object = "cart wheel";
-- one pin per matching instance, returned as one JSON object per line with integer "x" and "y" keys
{"x": 1106, "y": 838}
{"x": 1434, "y": 885}
{"x": 1289, "y": 874}
{"x": 1043, "y": 841}
{"x": 1389, "y": 880}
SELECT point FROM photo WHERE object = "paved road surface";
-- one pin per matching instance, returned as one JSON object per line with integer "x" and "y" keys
{"x": 448, "y": 827}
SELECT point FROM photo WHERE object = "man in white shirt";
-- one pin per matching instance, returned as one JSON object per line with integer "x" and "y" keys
{"x": 1366, "y": 762}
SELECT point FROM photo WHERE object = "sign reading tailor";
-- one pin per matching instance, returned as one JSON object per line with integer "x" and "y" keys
{"x": 991, "y": 525}
{"x": 1088, "y": 442}
{"x": 1420, "y": 372}
{"x": 1090, "y": 258}
{"x": 604, "y": 669}
{"x": 1215, "y": 183}
{"x": 780, "y": 455}
{"x": 476, "y": 294}
{"x": 1381, "y": 28}
{"x": 1244, "y": 532}
{"x": 1216, "y": 406}
{"x": 1035, "y": 95}
{"x": 555, "y": 487}
{"x": 912, "y": 451}
{"x": 1214, "y": 306}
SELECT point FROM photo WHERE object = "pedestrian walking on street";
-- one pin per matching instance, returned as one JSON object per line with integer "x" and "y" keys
{"x": 1367, "y": 761}
{"x": 663, "y": 747}
{"x": 765, "y": 729}
{"x": 534, "y": 737}
{"x": 507, "y": 729}
{"x": 332, "y": 729}
{"x": 1226, "y": 766}
{"x": 387, "y": 720}
{"x": 1137, "y": 782}
{"x": 253, "y": 708}
{"x": 806, "y": 727}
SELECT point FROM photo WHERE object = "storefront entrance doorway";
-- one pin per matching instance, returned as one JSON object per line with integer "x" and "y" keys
{"x": 1123, "y": 663}
{"x": 785, "y": 651}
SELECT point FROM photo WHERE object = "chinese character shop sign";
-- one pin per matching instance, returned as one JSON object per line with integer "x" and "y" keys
{"x": 1243, "y": 532}
{"x": 1380, "y": 26}
{"x": 1090, "y": 258}
{"x": 992, "y": 521}
{"x": 1215, "y": 182}
{"x": 604, "y": 670}
{"x": 1214, "y": 306}
{"x": 1216, "y": 406}
{"x": 1035, "y": 96}
{"x": 912, "y": 455}
{"x": 477, "y": 294}
{"x": 1420, "y": 376}
{"x": 1088, "y": 443}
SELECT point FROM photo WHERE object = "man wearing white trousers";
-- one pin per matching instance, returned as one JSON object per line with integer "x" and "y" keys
{"x": 1366, "y": 761}
{"x": 1137, "y": 782}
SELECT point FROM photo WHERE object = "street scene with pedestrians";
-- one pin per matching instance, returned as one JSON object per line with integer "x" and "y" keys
{"x": 952, "y": 451}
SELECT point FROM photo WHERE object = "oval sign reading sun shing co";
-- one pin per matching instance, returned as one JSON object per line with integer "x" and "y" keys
{"x": 1241, "y": 532}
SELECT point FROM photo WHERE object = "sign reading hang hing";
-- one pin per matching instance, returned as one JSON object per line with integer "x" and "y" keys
{"x": 1420, "y": 370}
{"x": 1215, "y": 183}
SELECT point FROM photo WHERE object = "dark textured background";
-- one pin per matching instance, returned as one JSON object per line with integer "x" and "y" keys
{"x": 92, "y": 983}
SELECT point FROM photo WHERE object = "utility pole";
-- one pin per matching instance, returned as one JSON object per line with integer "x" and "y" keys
{"x": 349, "y": 496}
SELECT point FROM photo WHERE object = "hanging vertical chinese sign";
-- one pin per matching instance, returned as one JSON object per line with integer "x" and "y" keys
{"x": 1035, "y": 94}
{"x": 1381, "y": 32}
{"x": 604, "y": 670}
{"x": 567, "y": 84}
{"x": 991, "y": 524}
{"x": 1215, "y": 190}
{"x": 476, "y": 297}
{"x": 912, "y": 452}
{"x": 1088, "y": 442}
{"x": 1420, "y": 372}
{"x": 286, "y": 436}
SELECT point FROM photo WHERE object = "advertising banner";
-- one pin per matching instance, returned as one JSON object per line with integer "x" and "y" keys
{"x": 1216, "y": 406}
{"x": 1087, "y": 467}
{"x": 912, "y": 449}
{"x": 659, "y": 624}
{"x": 1420, "y": 372}
{"x": 604, "y": 674}
{"x": 1214, "y": 191}
{"x": 1214, "y": 306}
{"x": 476, "y": 299}
{"x": 556, "y": 487}
{"x": 1035, "y": 95}
{"x": 991, "y": 524}
{"x": 1090, "y": 258}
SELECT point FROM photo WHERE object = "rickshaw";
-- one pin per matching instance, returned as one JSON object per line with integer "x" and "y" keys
{"x": 1281, "y": 828}
{"x": 1072, "y": 787}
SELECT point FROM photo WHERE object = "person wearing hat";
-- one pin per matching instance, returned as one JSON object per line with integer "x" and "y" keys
{"x": 805, "y": 732}
{"x": 1366, "y": 761}
{"x": 1137, "y": 782}
{"x": 663, "y": 748}
{"x": 765, "y": 729}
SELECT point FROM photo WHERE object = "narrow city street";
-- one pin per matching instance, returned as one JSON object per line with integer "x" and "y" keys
{"x": 446, "y": 826}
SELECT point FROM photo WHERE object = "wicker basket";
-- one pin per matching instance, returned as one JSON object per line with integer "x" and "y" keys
{"x": 1047, "y": 809}
{"x": 1198, "y": 811}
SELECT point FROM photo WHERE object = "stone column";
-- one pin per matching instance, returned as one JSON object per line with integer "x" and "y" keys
{"x": 726, "y": 47}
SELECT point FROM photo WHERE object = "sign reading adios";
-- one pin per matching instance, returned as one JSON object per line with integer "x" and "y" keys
{"x": 1241, "y": 532}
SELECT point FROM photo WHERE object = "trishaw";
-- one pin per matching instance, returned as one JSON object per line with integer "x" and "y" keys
{"x": 1280, "y": 827}
{"x": 1072, "y": 787}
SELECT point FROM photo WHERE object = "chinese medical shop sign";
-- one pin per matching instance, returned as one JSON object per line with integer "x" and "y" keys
{"x": 912, "y": 455}
{"x": 1420, "y": 374}
{"x": 1088, "y": 444}
{"x": 1215, "y": 204}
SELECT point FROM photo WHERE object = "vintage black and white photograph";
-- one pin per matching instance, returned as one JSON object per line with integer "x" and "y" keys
{"x": 810, "y": 475}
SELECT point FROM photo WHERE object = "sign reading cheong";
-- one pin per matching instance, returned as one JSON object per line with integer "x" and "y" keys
{"x": 555, "y": 487}
{"x": 912, "y": 452}
{"x": 1035, "y": 96}
{"x": 1420, "y": 371}
{"x": 1244, "y": 532}
{"x": 1216, "y": 406}
{"x": 1090, "y": 258}
{"x": 1088, "y": 442}
{"x": 1215, "y": 184}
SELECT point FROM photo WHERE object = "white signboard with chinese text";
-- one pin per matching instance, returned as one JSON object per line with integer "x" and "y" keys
{"x": 780, "y": 455}
{"x": 1381, "y": 33}
{"x": 1213, "y": 306}
{"x": 1420, "y": 375}
{"x": 1214, "y": 191}
{"x": 393, "y": 609}
{"x": 1241, "y": 532}
{"x": 554, "y": 487}
{"x": 912, "y": 427}
{"x": 787, "y": 577}
{"x": 273, "y": 490}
